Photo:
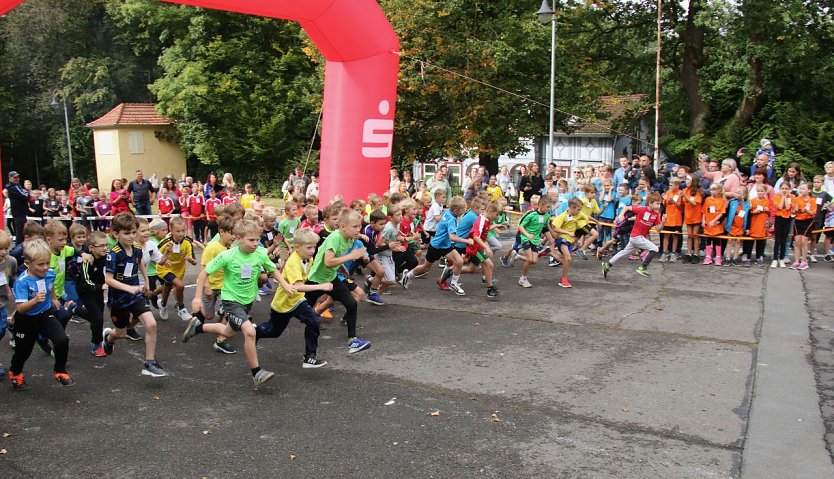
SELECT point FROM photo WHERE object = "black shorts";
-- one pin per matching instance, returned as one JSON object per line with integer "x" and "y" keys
{"x": 236, "y": 314}
{"x": 168, "y": 279}
{"x": 677, "y": 229}
{"x": 829, "y": 234}
{"x": 152, "y": 281}
{"x": 803, "y": 227}
{"x": 434, "y": 254}
{"x": 121, "y": 316}
{"x": 349, "y": 284}
{"x": 461, "y": 250}
{"x": 530, "y": 246}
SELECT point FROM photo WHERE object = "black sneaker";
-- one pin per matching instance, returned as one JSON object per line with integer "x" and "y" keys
{"x": 828, "y": 258}
{"x": 492, "y": 292}
{"x": 312, "y": 362}
{"x": 133, "y": 335}
{"x": 224, "y": 347}
{"x": 107, "y": 345}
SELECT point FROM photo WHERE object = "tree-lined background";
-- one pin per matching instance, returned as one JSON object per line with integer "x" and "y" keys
{"x": 246, "y": 91}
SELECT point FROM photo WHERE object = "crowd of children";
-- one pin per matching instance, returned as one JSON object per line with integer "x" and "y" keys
{"x": 307, "y": 258}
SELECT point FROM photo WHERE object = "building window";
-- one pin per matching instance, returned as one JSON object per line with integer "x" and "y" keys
{"x": 104, "y": 143}
{"x": 137, "y": 142}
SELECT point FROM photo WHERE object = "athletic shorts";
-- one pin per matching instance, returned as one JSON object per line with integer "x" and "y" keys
{"x": 530, "y": 246}
{"x": 387, "y": 262}
{"x": 236, "y": 313}
{"x": 152, "y": 281}
{"x": 478, "y": 258}
{"x": 829, "y": 235}
{"x": 434, "y": 254}
{"x": 349, "y": 284}
{"x": 121, "y": 316}
{"x": 677, "y": 229}
{"x": 691, "y": 226}
{"x": 803, "y": 227}
{"x": 563, "y": 242}
{"x": 210, "y": 302}
{"x": 168, "y": 279}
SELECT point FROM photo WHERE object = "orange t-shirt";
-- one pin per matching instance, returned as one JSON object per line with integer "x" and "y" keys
{"x": 674, "y": 208}
{"x": 737, "y": 228}
{"x": 692, "y": 214}
{"x": 783, "y": 212}
{"x": 758, "y": 219}
{"x": 805, "y": 209}
{"x": 713, "y": 208}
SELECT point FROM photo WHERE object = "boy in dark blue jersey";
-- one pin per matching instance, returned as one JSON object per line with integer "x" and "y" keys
{"x": 34, "y": 293}
{"x": 126, "y": 296}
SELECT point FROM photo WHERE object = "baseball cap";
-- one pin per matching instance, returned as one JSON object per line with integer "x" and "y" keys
{"x": 13, "y": 174}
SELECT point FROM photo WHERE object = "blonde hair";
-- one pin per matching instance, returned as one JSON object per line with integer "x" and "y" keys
{"x": 36, "y": 249}
{"x": 247, "y": 227}
{"x": 5, "y": 240}
{"x": 305, "y": 236}
{"x": 54, "y": 229}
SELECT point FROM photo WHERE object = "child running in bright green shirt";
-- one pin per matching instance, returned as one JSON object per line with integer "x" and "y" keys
{"x": 531, "y": 228}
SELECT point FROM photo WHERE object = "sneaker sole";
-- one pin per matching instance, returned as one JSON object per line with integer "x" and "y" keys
{"x": 566, "y": 286}
{"x": 186, "y": 335}
{"x": 221, "y": 350}
{"x": 375, "y": 303}
{"x": 265, "y": 378}
{"x": 356, "y": 350}
{"x": 145, "y": 372}
{"x": 137, "y": 338}
{"x": 313, "y": 366}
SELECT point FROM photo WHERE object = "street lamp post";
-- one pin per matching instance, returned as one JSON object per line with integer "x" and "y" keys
{"x": 547, "y": 14}
{"x": 54, "y": 102}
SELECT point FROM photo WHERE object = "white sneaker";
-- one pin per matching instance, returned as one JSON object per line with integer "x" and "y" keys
{"x": 513, "y": 258}
{"x": 524, "y": 283}
{"x": 184, "y": 314}
{"x": 813, "y": 258}
{"x": 782, "y": 263}
{"x": 163, "y": 311}
{"x": 774, "y": 264}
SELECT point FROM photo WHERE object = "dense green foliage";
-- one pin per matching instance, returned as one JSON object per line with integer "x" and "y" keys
{"x": 246, "y": 91}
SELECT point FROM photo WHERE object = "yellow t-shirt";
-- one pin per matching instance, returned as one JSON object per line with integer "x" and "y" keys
{"x": 568, "y": 223}
{"x": 176, "y": 256}
{"x": 294, "y": 271}
{"x": 494, "y": 192}
{"x": 213, "y": 249}
{"x": 246, "y": 200}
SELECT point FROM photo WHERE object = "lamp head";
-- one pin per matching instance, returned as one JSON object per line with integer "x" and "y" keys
{"x": 545, "y": 13}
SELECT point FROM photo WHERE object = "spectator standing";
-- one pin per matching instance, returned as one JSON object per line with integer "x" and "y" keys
{"x": 142, "y": 191}
{"x": 119, "y": 199}
{"x": 19, "y": 204}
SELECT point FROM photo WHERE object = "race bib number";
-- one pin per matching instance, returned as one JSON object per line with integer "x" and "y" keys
{"x": 759, "y": 208}
{"x": 292, "y": 230}
{"x": 246, "y": 271}
{"x": 175, "y": 247}
{"x": 789, "y": 200}
{"x": 61, "y": 266}
{"x": 712, "y": 210}
{"x": 541, "y": 219}
{"x": 128, "y": 270}
{"x": 675, "y": 199}
{"x": 269, "y": 236}
{"x": 41, "y": 283}
{"x": 647, "y": 216}
{"x": 741, "y": 213}
{"x": 808, "y": 207}
{"x": 819, "y": 201}
{"x": 3, "y": 279}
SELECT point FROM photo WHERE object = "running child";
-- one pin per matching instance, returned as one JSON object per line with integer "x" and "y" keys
{"x": 179, "y": 249}
{"x": 8, "y": 270}
{"x": 286, "y": 227}
{"x": 212, "y": 202}
{"x": 90, "y": 287}
{"x": 622, "y": 229}
{"x": 36, "y": 305}
{"x": 563, "y": 228}
{"x": 126, "y": 297}
{"x": 479, "y": 253}
{"x": 531, "y": 228}
{"x": 646, "y": 218}
{"x": 240, "y": 267}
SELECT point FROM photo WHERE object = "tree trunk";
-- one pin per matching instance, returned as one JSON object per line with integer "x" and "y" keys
{"x": 692, "y": 38}
{"x": 488, "y": 161}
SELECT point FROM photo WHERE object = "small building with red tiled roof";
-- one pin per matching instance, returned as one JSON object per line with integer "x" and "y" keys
{"x": 133, "y": 136}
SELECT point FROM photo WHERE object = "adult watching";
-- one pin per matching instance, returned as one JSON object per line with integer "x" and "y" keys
{"x": 142, "y": 191}
{"x": 727, "y": 177}
{"x": 19, "y": 202}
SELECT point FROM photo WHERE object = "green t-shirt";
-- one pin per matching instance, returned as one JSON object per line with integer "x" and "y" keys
{"x": 288, "y": 226}
{"x": 335, "y": 242}
{"x": 501, "y": 219}
{"x": 58, "y": 262}
{"x": 533, "y": 222}
{"x": 151, "y": 269}
{"x": 389, "y": 235}
{"x": 111, "y": 242}
{"x": 240, "y": 273}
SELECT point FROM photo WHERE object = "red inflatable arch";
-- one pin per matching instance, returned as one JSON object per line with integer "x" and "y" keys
{"x": 360, "y": 84}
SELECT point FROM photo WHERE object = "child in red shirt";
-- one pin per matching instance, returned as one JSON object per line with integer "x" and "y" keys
{"x": 645, "y": 218}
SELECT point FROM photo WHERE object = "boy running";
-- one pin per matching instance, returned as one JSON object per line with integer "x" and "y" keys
{"x": 646, "y": 217}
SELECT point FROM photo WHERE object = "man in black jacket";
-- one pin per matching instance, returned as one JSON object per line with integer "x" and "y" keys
{"x": 19, "y": 202}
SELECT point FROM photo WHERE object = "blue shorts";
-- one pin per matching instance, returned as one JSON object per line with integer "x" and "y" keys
{"x": 563, "y": 242}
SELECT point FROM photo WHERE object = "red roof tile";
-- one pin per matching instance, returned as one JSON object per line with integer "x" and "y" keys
{"x": 131, "y": 114}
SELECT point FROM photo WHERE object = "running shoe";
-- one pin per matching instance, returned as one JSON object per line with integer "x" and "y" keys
{"x": 582, "y": 254}
{"x": 492, "y": 292}
{"x": 326, "y": 314}
{"x": 163, "y": 311}
{"x": 97, "y": 350}
{"x": 782, "y": 264}
{"x": 708, "y": 260}
{"x": 642, "y": 271}
{"x": 184, "y": 314}
{"x": 663, "y": 258}
{"x": 505, "y": 262}
{"x": 357, "y": 344}
{"x": 828, "y": 258}
{"x": 419, "y": 275}
{"x": 606, "y": 267}
{"x": 262, "y": 376}
{"x": 64, "y": 378}
{"x": 513, "y": 258}
{"x": 803, "y": 266}
{"x": 224, "y": 347}
{"x": 443, "y": 285}
{"x": 264, "y": 291}
{"x": 553, "y": 262}
{"x": 524, "y": 282}
{"x": 774, "y": 263}
{"x": 599, "y": 254}
{"x": 153, "y": 369}
{"x": 374, "y": 298}
{"x": 405, "y": 279}
{"x": 794, "y": 265}
{"x": 456, "y": 288}
{"x": 18, "y": 383}
{"x": 759, "y": 262}
{"x": 565, "y": 283}
{"x": 813, "y": 258}
{"x": 673, "y": 258}
{"x": 719, "y": 260}
{"x": 133, "y": 335}
{"x": 190, "y": 330}
{"x": 105, "y": 344}
{"x": 312, "y": 362}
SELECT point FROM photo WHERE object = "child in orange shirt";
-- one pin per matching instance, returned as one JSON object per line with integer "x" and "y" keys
{"x": 805, "y": 209}
{"x": 693, "y": 213}
{"x": 738, "y": 225}
{"x": 759, "y": 213}
{"x": 713, "y": 223}
{"x": 672, "y": 220}
{"x": 782, "y": 208}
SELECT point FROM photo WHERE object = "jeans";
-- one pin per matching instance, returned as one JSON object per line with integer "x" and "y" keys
{"x": 142, "y": 208}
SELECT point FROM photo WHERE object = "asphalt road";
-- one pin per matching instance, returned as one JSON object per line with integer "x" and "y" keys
{"x": 626, "y": 378}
